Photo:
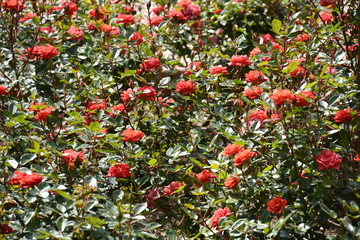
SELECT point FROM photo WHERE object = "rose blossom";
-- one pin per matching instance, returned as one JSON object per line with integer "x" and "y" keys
{"x": 76, "y": 33}
{"x": 326, "y": 16}
{"x": 357, "y": 157}
{"x": 343, "y": 116}
{"x": 146, "y": 93}
{"x": 69, "y": 157}
{"x": 219, "y": 213}
{"x": 126, "y": 95}
{"x": 120, "y": 108}
{"x": 301, "y": 101}
{"x": 171, "y": 188}
{"x": 328, "y": 159}
{"x": 96, "y": 105}
{"x": 3, "y": 90}
{"x": 150, "y": 64}
{"x": 5, "y": 229}
{"x": 125, "y": 18}
{"x": 157, "y": 10}
{"x": 232, "y": 149}
{"x": 42, "y": 114}
{"x": 121, "y": 170}
{"x": 242, "y": 157}
{"x": 186, "y": 87}
{"x": 152, "y": 196}
{"x": 253, "y": 92}
{"x": 255, "y": 77}
{"x": 26, "y": 180}
{"x": 282, "y": 95}
{"x": 137, "y": 38}
{"x": 205, "y": 176}
{"x": 42, "y": 52}
{"x": 299, "y": 72}
{"x": 218, "y": 70}
{"x": 276, "y": 205}
{"x": 15, "y": 5}
{"x": 132, "y": 135}
{"x": 155, "y": 20}
{"x": 231, "y": 182}
{"x": 239, "y": 60}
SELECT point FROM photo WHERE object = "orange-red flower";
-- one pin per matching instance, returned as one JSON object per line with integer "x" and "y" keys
{"x": 186, "y": 87}
{"x": 232, "y": 149}
{"x": 231, "y": 182}
{"x": 172, "y": 187}
{"x": 343, "y": 116}
{"x": 328, "y": 159}
{"x": 282, "y": 95}
{"x": 150, "y": 64}
{"x": 3, "y": 90}
{"x": 276, "y": 205}
{"x": 69, "y": 157}
{"x": 125, "y": 18}
{"x": 253, "y": 92}
{"x": 239, "y": 60}
{"x": 357, "y": 157}
{"x": 121, "y": 170}
{"x": 218, "y": 70}
{"x": 42, "y": 114}
{"x": 132, "y": 135}
{"x": 242, "y": 157}
{"x": 254, "y": 76}
{"x": 42, "y": 52}
{"x": 205, "y": 176}
{"x": 300, "y": 98}
{"x": 146, "y": 93}
{"x": 26, "y": 180}
{"x": 219, "y": 213}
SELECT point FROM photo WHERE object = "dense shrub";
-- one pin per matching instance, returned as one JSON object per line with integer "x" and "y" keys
{"x": 179, "y": 119}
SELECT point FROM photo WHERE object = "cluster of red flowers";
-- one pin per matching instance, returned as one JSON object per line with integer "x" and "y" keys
{"x": 26, "y": 180}
{"x": 241, "y": 154}
{"x": 121, "y": 170}
{"x": 46, "y": 51}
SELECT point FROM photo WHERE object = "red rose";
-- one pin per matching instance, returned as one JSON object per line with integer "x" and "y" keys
{"x": 70, "y": 8}
{"x": 253, "y": 92}
{"x": 282, "y": 95}
{"x": 357, "y": 157}
{"x": 299, "y": 72}
{"x": 121, "y": 170}
{"x": 150, "y": 64}
{"x": 343, "y": 116}
{"x": 239, "y": 60}
{"x": 219, "y": 213}
{"x": 255, "y": 77}
{"x": 126, "y": 95}
{"x": 42, "y": 114}
{"x": 231, "y": 182}
{"x": 301, "y": 101}
{"x": 172, "y": 187}
{"x": 125, "y": 18}
{"x": 176, "y": 14}
{"x": 328, "y": 159}
{"x": 326, "y": 16}
{"x": 191, "y": 11}
{"x": 276, "y": 205}
{"x": 26, "y": 180}
{"x": 96, "y": 105}
{"x": 15, "y": 5}
{"x": 152, "y": 196}
{"x": 218, "y": 70}
{"x": 155, "y": 20}
{"x": 76, "y": 33}
{"x": 257, "y": 115}
{"x": 242, "y": 157}
{"x": 137, "y": 38}
{"x": 205, "y": 176}
{"x": 146, "y": 93}
{"x": 302, "y": 37}
{"x": 186, "y": 87}
{"x": 98, "y": 13}
{"x": 42, "y": 52}
{"x": 132, "y": 135}
{"x": 120, "y": 108}
{"x": 255, "y": 51}
{"x": 267, "y": 38}
{"x": 157, "y": 10}
{"x": 3, "y": 90}
{"x": 5, "y": 229}
{"x": 69, "y": 157}
{"x": 232, "y": 149}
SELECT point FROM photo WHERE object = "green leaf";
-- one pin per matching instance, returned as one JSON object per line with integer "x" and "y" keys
{"x": 63, "y": 194}
{"x": 140, "y": 208}
{"x": 27, "y": 157}
{"x": 276, "y": 26}
{"x": 28, "y": 216}
{"x": 95, "y": 222}
{"x": 331, "y": 213}
{"x": 279, "y": 224}
{"x": 291, "y": 67}
{"x": 61, "y": 223}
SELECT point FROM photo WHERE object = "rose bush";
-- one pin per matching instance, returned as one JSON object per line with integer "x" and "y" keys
{"x": 179, "y": 119}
